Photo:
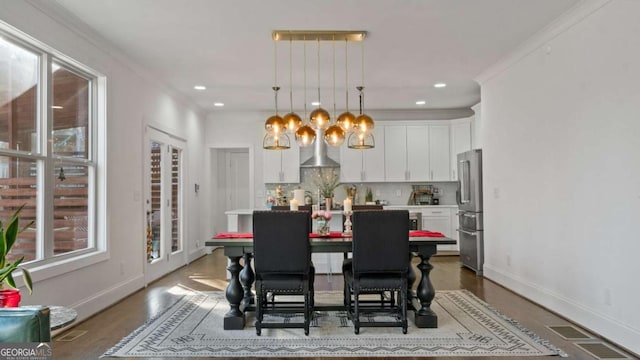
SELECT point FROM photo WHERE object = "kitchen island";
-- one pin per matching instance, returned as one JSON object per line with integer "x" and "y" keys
{"x": 239, "y": 220}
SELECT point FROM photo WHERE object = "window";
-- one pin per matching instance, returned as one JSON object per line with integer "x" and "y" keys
{"x": 48, "y": 154}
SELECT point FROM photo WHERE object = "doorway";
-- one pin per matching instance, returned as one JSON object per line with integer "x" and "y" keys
{"x": 164, "y": 201}
{"x": 232, "y": 183}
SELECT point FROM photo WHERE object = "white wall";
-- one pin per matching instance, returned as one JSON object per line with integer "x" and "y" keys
{"x": 224, "y": 130}
{"x": 561, "y": 139}
{"x": 133, "y": 100}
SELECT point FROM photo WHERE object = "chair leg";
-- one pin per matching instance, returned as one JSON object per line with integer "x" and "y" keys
{"x": 307, "y": 305}
{"x": 258, "y": 310}
{"x": 356, "y": 315}
{"x": 403, "y": 306}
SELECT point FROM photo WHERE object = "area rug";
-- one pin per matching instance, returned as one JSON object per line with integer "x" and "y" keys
{"x": 467, "y": 326}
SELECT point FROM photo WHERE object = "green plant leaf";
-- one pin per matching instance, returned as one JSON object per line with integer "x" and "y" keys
{"x": 3, "y": 247}
{"x": 28, "y": 282}
{"x": 11, "y": 232}
{"x": 6, "y": 270}
{"x": 10, "y": 281}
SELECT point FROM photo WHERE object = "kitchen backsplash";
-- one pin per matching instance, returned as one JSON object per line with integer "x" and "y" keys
{"x": 392, "y": 193}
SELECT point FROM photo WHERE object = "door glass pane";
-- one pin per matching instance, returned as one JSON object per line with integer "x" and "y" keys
{"x": 70, "y": 208}
{"x": 176, "y": 243}
{"x": 18, "y": 96}
{"x": 18, "y": 187}
{"x": 155, "y": 205}
{"x": 70, "y": 113}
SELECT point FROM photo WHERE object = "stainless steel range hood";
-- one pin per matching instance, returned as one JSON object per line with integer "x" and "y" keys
{"x": 320, "y": 158}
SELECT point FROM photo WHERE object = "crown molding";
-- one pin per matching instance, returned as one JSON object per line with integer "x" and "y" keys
{"x": 564, "y": 22}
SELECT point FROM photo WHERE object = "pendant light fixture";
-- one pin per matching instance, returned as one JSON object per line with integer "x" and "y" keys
{"x": 305, "y": 135}
{"x": 276, "y": 138}
{"x": 362, "y": 138}
{"x": 318, "y": 124}
{"x": 346, "y": 120}
{"x": 334, "y": 135}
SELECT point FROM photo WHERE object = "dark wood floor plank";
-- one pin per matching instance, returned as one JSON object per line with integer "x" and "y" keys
{"x": 208, "y": 274}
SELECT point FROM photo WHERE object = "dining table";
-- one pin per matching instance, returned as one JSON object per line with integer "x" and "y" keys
{"x": 241, "y": 299}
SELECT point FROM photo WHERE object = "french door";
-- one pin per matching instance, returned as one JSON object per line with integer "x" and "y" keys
{"x": 164, "y": 204}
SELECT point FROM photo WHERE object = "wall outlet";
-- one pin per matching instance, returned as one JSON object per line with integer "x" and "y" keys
{"x": 509, "y": 260}
{"x": 398, "y": 193}
{"x": 197, "y": 244}
{"x": 496, "y": 193}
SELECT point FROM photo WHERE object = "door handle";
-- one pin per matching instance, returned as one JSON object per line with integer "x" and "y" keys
{"x": 467, "y": 232}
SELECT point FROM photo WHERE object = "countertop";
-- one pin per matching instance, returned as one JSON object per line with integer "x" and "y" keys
{"x": 338, "y": 211}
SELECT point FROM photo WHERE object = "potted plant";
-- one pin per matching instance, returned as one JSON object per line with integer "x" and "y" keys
{"x": 327, "y": 182}
{"x": 10, "y": 297}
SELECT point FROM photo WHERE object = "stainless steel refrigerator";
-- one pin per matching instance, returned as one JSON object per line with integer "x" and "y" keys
{"x": 469, "y": 196}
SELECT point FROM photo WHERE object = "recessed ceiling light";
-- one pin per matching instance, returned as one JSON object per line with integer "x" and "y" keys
{"x": 420, "y": 102}
{"x": 218, "y": 104}
{"x": 315, "y": 103}
{"x": 439, "y": 85}
{"x": 200, "y": 87}
{"x": 57, "y": 107}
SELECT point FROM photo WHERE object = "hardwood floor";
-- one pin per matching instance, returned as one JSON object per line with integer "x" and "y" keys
{"x": 207, "y": 274}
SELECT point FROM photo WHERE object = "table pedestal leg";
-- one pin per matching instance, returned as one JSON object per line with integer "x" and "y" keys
{"x": 425, "y": 317}
{"x": 234, "y": 318}
{"x": 247, "y": 276}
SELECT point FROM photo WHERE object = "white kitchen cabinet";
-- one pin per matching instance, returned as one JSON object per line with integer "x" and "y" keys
{"x": 440, "y": 220}
{"x": 395, "y": 153}
{"x": 281, "y": 166}
{"x": 406, "y": 153}
{"x": 460, "y": 142}
{"x": 418, "y": 152}
{"x": 439, "y": 158}
{"x": 363, "y": 165}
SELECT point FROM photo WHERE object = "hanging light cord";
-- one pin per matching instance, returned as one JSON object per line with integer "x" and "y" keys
{"x": 275, "y": 63}
{"x": 362, "y": 64}
{"x": 346, "y": 73}
{"x": 275, "y": 85}
{"x": 319, "y": 71}
{"x": 290, "y": 78}
{"x": 334, "y": 77}
{"x": 304, "y": 51}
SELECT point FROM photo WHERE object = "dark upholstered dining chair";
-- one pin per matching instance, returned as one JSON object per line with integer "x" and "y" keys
{"x": 346, "y": 263}
{"x": 282, "y": 259}
{"x": 380, "y": 263}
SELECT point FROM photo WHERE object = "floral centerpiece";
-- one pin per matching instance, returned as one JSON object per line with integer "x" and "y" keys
{"x": 322, "y": 217}
{"x": 327, "y": 180}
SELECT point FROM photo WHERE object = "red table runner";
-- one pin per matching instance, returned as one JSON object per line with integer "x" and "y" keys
{"x": 333, "y": 234}
{"x": 233, "y": 236}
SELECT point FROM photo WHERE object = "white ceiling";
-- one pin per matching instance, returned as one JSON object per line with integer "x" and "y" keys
{"x": 226, "y": 45}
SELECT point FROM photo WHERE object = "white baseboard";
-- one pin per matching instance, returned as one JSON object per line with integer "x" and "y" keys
{"x": 198, "y": 253}
{"x": 107, "y": 297}
{"x": 609, "y": 328}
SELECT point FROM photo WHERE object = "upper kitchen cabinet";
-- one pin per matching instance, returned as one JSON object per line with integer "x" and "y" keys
{"x": 281, "y": 166}
{"x": 460, "y": 142}
{"x": 364, "y": 165}
{"x": 406, "y": 154}
{"x": 439, "y": 153}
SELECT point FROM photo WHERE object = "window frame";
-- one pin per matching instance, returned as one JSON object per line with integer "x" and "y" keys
{"x": 46, "y": 264}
